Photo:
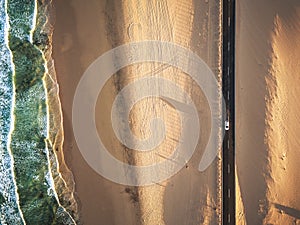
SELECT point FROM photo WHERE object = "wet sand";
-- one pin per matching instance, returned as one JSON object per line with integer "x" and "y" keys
{"x": 100, "y": 201}
{"x": 81, "y": 34}
{"x": 267, "y": 120}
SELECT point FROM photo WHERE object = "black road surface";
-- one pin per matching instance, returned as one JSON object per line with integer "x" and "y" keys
{"x": 228, "y": 87}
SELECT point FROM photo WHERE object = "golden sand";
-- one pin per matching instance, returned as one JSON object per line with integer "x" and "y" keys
{"x": 283, "y": 122}
{"x": 156, "y": 21}
{"x": 85, "y": 31}
{"x": 267, "y": 105}
{"x": 239, "y": 208}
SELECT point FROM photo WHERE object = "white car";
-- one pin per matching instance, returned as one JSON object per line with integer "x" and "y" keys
{"x": 226, "y": 125}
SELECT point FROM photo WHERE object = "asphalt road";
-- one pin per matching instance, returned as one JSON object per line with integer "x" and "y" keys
{"x": 228, "y": 86}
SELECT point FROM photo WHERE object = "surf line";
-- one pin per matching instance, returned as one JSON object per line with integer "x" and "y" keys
{"x": 34, "y": 18}
{"x": 12, "y": 113}
{"x": 51, "y": 180}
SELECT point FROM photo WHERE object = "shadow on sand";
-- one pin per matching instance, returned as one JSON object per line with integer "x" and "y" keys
{"x": 288, "y": 210}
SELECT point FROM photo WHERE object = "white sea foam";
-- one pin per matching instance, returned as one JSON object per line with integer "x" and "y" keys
{"x": 67, "y": 218}
{"x": 34, "y": 18}
{"x": 49, "y": 176}
{"x": 9, "y": 208}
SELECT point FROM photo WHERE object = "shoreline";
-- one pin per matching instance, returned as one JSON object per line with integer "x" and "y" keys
{"x": 62, "y": 177}
{"x": 32, "y": 195}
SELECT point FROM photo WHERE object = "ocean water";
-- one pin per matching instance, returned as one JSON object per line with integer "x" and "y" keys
{"x": 27, "y": 190}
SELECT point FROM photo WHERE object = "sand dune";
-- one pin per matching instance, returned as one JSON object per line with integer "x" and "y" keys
{"x": 267, "y": 108}
{"x": 283, "y": 122}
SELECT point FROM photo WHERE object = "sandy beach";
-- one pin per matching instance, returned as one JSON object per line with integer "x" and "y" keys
{"x": 83, "y": 32}
{"x": 266, "y": 111}
{"x": 100, "y": 201}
